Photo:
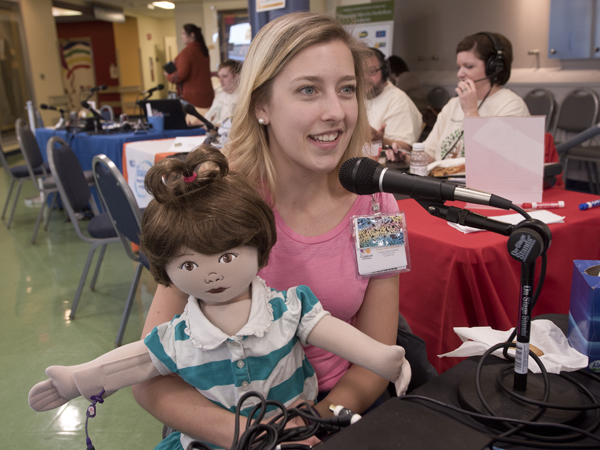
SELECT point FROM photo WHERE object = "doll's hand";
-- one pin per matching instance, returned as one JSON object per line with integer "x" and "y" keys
{"x": 54, "y": 392}
{"x": 403, "y": 380}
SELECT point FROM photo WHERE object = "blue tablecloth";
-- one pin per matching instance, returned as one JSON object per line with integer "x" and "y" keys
{"x": 87, "y": 146}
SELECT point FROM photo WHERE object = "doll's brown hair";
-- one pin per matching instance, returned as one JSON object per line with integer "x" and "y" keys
{"x": 200, "y": 205}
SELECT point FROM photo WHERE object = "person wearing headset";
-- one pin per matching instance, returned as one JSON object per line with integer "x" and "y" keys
{"x": 484, "y": 61}
{"x": 392, "y": 114}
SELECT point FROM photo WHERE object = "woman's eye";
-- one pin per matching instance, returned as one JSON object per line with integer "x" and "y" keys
{"x": 227, "y": 258}
{"x": 189, "y": 266}
{"x": 350, "y": 89}
{"x": 308, "y": 90}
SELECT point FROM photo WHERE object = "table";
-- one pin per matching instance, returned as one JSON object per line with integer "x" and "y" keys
{"x": 86, "y": 146}
{"x": 465, "y": 280}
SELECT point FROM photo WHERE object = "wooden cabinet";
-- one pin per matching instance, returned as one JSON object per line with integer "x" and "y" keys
{"x": 574, "y": 29}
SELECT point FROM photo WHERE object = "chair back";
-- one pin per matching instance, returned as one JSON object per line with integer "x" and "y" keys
{"x": 438, "y": 97}
{"x": 120, "y": 202}
{"x": 578, "y": 111}
{"x": 107, "y": 113}
{"x": 29, "y": 146}
{"x": 540, "y": 102}
{"x": 68, "y": 174}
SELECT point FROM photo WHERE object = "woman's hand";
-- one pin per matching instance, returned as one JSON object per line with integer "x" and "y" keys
{"x": 467, "y": 94}
{"x": 396, "y": 154}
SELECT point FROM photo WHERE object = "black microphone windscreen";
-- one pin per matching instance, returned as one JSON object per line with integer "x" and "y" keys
{"x": 102, "y": 87}
{"x": 356, "y": 175}
{"x": 44, "y": 106}
{"x": 189, "y": 108}
{"x": 160, "y": 87}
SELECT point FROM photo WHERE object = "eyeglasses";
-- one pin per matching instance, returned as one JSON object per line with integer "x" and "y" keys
{"x": 372, "y": 72}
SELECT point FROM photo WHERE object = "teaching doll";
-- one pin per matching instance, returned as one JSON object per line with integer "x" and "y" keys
{"x": 208, "y": 232}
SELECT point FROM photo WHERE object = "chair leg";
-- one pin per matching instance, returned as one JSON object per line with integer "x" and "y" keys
{"x": 86, "y": 269}
{"x": 39, "y": 221}
{"x": 10, "y": 188}
{"x": 129, "y": 304}
{"x": 12, "y": 211}
{"x": 588, "y": 169}
{"x": 52, "y": 205}
{"x": 98, "y": 264}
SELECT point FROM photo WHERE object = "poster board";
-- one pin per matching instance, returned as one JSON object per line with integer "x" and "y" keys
{"x": 505, "y": 156}
{"x": 372, "y": 23}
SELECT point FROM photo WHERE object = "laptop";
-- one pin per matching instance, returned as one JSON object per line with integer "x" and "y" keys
{"x": 172, "y": 111}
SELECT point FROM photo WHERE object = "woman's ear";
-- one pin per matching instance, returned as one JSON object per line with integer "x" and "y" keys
{"x": 262, "y": 114}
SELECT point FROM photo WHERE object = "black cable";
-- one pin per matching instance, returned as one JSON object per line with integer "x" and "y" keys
{"x": 266, "y": 436}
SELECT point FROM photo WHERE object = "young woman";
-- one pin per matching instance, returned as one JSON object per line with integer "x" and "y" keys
{"x": 300, "y": 115}
{"x": 484, "y": 63}
{"x": 192, "y": 76}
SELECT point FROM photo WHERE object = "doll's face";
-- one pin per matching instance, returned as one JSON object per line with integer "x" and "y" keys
{"x": 217, "y": 279}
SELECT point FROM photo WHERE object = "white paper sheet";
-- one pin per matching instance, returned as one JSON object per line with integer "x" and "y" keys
{"x": 505, "y": 156}
{"x": 544, "y": 215}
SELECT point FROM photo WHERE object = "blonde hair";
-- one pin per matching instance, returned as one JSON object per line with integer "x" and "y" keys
{"x": 273, "y": 47}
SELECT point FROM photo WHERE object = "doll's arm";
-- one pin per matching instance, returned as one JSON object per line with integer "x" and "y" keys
{"x": 119, "y": 368}
{"x": 342, "y": 339}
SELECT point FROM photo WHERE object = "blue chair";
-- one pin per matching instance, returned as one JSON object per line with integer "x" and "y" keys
{"x": 76, "y": 195}
{"x": 35, "y": 163}
{"x": 126, "y": 217}
{"x": 18, "y": 175}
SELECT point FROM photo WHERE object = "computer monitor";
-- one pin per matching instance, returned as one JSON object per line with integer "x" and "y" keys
{"x": 172, "y": 111}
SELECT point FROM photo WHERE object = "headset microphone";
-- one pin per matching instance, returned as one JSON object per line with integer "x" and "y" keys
{"x": 489, "y": 77}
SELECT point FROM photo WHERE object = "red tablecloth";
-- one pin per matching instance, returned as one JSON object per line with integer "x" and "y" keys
{"x": 465, "y": 280}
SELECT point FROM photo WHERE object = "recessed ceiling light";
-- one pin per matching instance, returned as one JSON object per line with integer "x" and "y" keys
{"x": 164, "y": 5}
{"x": 60, "y": 12}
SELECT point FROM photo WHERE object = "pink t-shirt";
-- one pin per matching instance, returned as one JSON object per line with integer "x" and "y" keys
{"x": 326, "y": 264}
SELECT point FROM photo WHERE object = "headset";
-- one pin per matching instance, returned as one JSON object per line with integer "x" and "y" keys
{"x": 494, "y": 65}
{"x": 384, "y": 64}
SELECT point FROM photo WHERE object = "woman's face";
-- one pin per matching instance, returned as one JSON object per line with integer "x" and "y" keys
{"x": 186, "y": 38}
{"x": 471, "y": 67}
{"x": 228, "y": 81}
{"x": 312, "y": 110}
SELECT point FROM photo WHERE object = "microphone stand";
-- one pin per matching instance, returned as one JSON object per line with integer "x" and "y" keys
{"x": 527, "y": 241}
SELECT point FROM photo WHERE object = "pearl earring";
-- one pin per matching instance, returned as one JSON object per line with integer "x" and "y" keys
{"x": 261, "y": 121}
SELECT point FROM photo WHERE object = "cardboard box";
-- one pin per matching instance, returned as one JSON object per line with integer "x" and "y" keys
{"x": 584, "y": 311}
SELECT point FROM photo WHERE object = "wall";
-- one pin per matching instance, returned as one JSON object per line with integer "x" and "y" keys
{"x": 42, "y": 49}
{"x": 103, "y": 48}
{"x": 152, "y": 33}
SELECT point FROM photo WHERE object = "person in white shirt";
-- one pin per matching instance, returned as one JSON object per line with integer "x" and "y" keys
{"x": 392, "y": 114}
{"x": 484, "y": 63}
{"x": 224, "y": 103}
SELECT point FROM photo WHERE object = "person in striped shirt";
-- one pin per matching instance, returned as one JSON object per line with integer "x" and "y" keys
{"x": 209, "y": 232}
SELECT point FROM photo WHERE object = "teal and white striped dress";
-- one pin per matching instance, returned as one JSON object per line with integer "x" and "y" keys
{"x": 266, "y": 355}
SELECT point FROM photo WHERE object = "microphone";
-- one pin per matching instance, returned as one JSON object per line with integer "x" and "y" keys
{"x": 53, "y": 108}
{"x": 363, "y": 176}
{"x": 189, "y": 109}
{"x": 497, "y": 72}
{"x": 102, "y": 87}
{"x": 160, "y": 87}
{"x": 95, "y": 113}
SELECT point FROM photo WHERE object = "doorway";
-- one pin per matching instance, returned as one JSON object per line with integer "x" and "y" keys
{"x": 14, "y": 89}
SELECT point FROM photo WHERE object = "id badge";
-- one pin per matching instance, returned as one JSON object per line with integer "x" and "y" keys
{"x": 381, "y": 244}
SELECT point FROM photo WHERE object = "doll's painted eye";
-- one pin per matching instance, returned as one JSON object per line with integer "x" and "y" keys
{"x": 226, "y": 258}
{"x": 189, "y": 266}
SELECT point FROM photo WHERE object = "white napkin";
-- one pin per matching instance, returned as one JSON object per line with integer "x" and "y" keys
{"x": 544, "y": 215}
{"x": 558, "y": 355}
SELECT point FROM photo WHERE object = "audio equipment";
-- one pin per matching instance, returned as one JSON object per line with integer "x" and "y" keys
{"x": 495, "y": 64}
{"x": 102, "y": 87}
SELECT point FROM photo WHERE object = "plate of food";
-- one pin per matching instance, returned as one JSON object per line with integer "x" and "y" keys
{"x": 448, "y": 167}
